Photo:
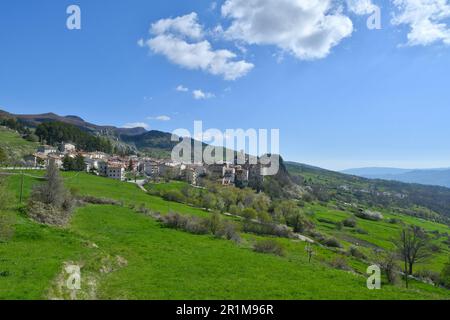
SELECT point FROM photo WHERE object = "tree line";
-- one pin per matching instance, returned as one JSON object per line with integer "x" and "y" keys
{"x": 57, "y": 132}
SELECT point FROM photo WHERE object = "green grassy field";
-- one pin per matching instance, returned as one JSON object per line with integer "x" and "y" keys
{"x": 126, "y": 255}
{"x": 14, "y": 145}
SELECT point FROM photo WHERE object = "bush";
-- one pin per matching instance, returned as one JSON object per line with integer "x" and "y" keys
{"x": 350, "y": 222}
{"x": 355, "y": 252}
{"x": 361, "y": 231}
{"x": 50, "y": 202}
{"x": 389, "y": 265}
{"x": 331, "y": 242}
{"x": 249, "y": 213}
{"x": 429, "y": 276}
{"x": 229, "y": 231}
{"x": 174, "y": 196}
{"x": 189, "y": 224}
{"x": 214, "y": 223}
{"x": 269, "y": 246}
{"x": 340, "y": 263}
{"x": 445, "y": 275}
{"x": 267, "y": 229}
{"x": 48, "y": 214}
{"x": 369, "y": 215}
{"x": 102, "y": 201}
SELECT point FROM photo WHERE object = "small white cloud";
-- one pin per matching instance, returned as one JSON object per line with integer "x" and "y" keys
{"x": 160, "y": 118}
{"x": 200, "y": 95}
{"x": 183, "y": 26}
{"x": 133, "y": 125}
{"x": 426, "y": 18}
{"x": 181, "y": 41}
{"x": 182, "y": 88}
{"x": 361, "y": 7}
{"x": 141, "y": 43}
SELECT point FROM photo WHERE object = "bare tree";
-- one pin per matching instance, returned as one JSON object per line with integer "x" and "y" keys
{"x": 51, "y": 192}
{"x": 413, "y": 247}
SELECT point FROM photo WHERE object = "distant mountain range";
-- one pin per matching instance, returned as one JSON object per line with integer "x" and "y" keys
{"x": 436, "y": 177}
{"x": 33, "y": 120}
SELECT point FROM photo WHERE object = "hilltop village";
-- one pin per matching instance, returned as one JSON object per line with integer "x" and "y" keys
{"x": 67, "y": 156}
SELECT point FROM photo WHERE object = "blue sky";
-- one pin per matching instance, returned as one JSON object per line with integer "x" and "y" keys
{"x": 361, "y": 98}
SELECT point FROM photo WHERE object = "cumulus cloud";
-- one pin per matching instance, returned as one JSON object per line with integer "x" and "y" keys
{"x": 361, "y": 7}
{"x": 182, "y": 88}
{"x": 308, "y": 29}
{"x": 200, "y": 95}
{"x": 133, "y": 125}
{"x": 181, "y": 41}
{"x": 426, "y": 19}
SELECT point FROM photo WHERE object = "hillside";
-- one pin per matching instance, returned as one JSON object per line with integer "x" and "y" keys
{"x": 124, "y": 254}
{"x": 14, "y": 145}
{"x": 36, "y": 119}
{"x": 431, "y": 202}
{"x": 436, "y": 177}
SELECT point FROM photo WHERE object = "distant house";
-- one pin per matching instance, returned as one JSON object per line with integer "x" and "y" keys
{"x": 151, "y": 168}
{"x": 116, "y": 172}
{"x": 91, "y": 165}
{"x": 102, "y": 168}
{"x": 67, "y": 147}
{"x": 47, "y": 150}
{"x": 229, "y": 175}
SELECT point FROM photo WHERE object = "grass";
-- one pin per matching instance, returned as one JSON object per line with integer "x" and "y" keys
{"x": 14, "y": 145}
{"x": 169, "y": 264}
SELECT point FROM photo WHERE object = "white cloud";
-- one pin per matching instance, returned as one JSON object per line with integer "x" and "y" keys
{"x": 136, "y": 125}
{"x": 361, "y": 7}
{"x": 308, "y": 29}
{"x": 182, "y": 88}
{"x": 160, "y": 118}
{"x": 426, "y": 19}
{"x": 184, "y": 26}
{"x": 181, "y": 41}
{"x": 200, "y": 95}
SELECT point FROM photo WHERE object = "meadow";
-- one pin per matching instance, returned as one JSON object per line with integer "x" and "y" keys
{"x": 127, "y": 255}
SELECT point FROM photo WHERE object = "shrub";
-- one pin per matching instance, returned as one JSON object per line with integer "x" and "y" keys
{"x": 267, "y": 229}
{"x": 369, "y": 215}
{"x": 214, "y": 223}
{"x": 189, "y": 224}
{"x": 48, "y": 214}
{"x": 361, "y": 231}
{"x": 445, "y": 275}
{"x": 50, "y": 202}
{"x": 350, "y": 222}
{"x": 390, "y": 267}
{"x": 229, "y": 231}
{"x": 340, "y": 263}
{"x": 173, "y": 195}
{"x": 269, "y": 246}
{"x": 393, "y": 221}
{"x": 355, "y": 252}
{"x": 102, "y": 201}
{"x": 249, "y": 213}
{"x": 429, "y": 276}
{"x": 331, "y": 242}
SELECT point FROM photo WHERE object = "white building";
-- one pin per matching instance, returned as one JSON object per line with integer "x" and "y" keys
{"x": 47, "y": 150}
{"x": 115, "y": 172}
{"x": 67, "y": 147}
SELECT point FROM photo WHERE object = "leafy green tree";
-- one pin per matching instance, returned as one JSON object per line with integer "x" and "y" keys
{"x": 68, "y": 163}
{"x": 249, "y": 213}
{"x": 79, "y": 164}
